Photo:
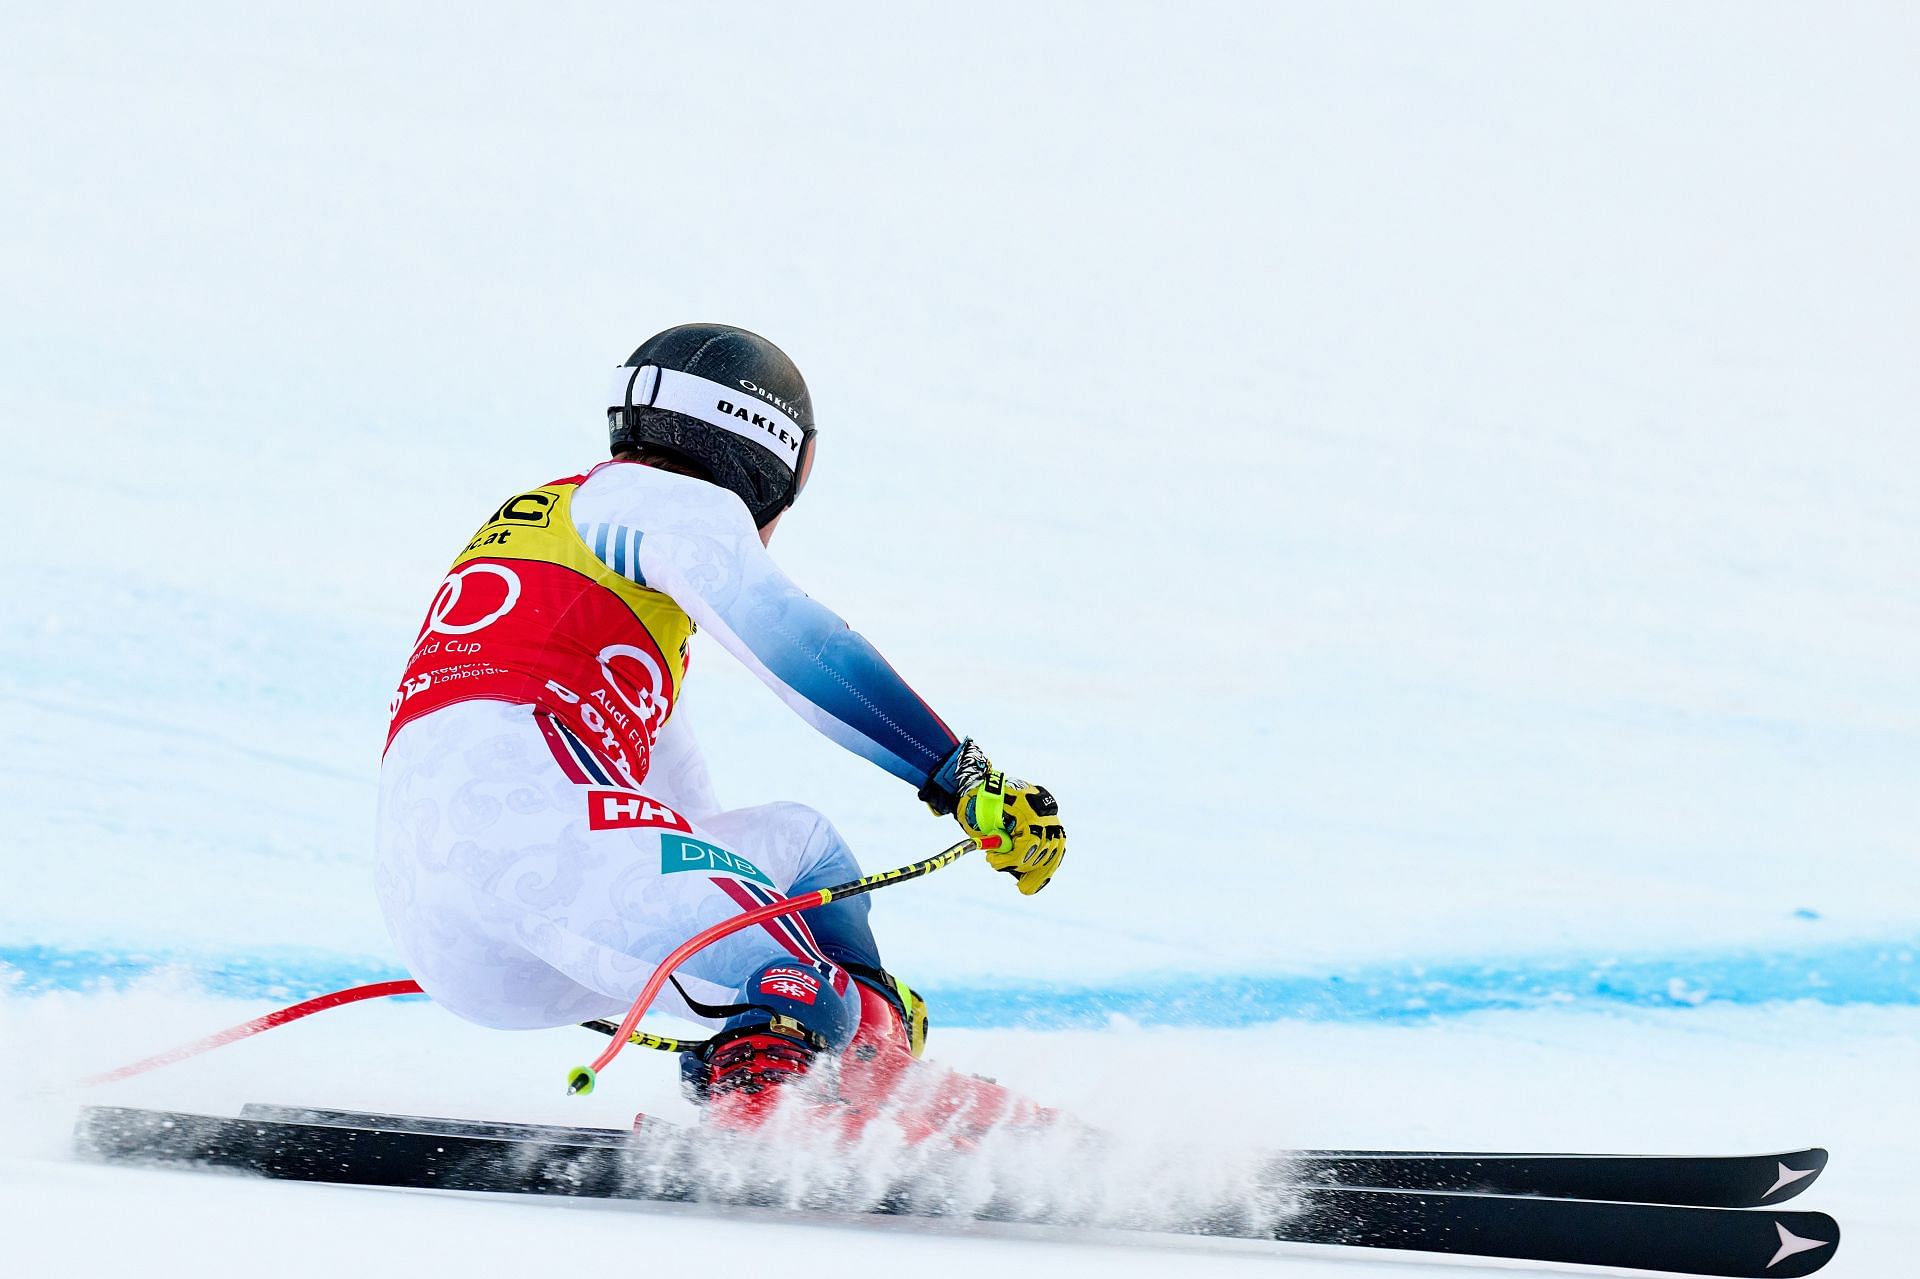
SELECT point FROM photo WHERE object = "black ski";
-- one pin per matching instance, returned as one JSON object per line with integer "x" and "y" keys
{"x": 664, "y": 1165}
{"x": 430, "y": 1124}
{"x": 1721, "y": 1181}
{"x": 1706, "y": 1181}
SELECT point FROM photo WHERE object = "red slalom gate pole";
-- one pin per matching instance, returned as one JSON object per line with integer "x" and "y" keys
{"x": 246, "y": 1029}
{"x": 580, "y": 1079}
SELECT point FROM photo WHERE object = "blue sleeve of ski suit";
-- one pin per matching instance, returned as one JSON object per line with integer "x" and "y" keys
{"x": 699, "y": 545}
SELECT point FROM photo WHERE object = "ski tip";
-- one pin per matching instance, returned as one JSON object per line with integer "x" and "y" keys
{"x": 1807, "y": 1241}
{"x": 1804, "y": 1157}
{"x": 1792, "y": 1173}
{"x": 580, "y": 1081}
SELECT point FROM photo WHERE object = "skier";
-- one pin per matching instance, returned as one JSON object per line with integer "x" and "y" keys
{"x": 547, "y": 830}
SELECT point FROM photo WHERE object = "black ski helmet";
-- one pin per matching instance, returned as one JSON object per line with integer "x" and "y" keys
{"x": 724, "y": 399}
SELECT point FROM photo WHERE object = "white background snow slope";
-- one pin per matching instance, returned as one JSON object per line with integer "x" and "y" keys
{"x": 1445, "y": 481}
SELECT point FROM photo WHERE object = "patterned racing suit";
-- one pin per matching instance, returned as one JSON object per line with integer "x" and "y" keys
{"x": 546, "y": 829}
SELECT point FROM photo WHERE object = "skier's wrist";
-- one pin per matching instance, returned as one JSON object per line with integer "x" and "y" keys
{"x": 963, "y": 770}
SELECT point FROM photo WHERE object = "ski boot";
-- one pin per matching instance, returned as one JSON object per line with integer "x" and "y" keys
{"x": 871, "y": 1027}
{"x": 794, "y": 1012}
{"x": 880, "y": 1075}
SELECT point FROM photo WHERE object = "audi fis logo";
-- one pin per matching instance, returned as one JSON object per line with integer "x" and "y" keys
{"x": 630, "y": 704}
{"x": 626, "y": 710}
{"x": 471, "y": 599}
{"x": 636, "y": 679}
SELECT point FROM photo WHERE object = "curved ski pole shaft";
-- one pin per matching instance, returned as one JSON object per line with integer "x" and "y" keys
{"x": 278, "y": 1017}
{"x": 580, "y": 1079}
{"x": 399, "y": 987}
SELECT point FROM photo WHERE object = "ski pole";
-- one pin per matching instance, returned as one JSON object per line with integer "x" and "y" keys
{"x": 386, "y": 989}
{"x": 267, "y": 1021}
{"x": 580, "y": 1079}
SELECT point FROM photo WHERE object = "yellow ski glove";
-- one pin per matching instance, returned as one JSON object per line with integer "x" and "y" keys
{"x": 1016, "y": 823}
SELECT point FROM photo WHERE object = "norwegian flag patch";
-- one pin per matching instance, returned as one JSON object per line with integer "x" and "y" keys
{"x": 794, "y": 983}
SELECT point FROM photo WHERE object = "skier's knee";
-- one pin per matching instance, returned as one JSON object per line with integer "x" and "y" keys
{"x": 813, "y": 834}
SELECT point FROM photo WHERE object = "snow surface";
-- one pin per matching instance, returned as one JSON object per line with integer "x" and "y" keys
{"x": 1447, "y": 479}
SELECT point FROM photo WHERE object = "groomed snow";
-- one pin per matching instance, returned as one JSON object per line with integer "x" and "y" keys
{"x": 1189, "y": 1104}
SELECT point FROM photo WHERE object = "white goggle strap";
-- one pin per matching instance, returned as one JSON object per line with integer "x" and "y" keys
{"x": 715, "y": 403}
